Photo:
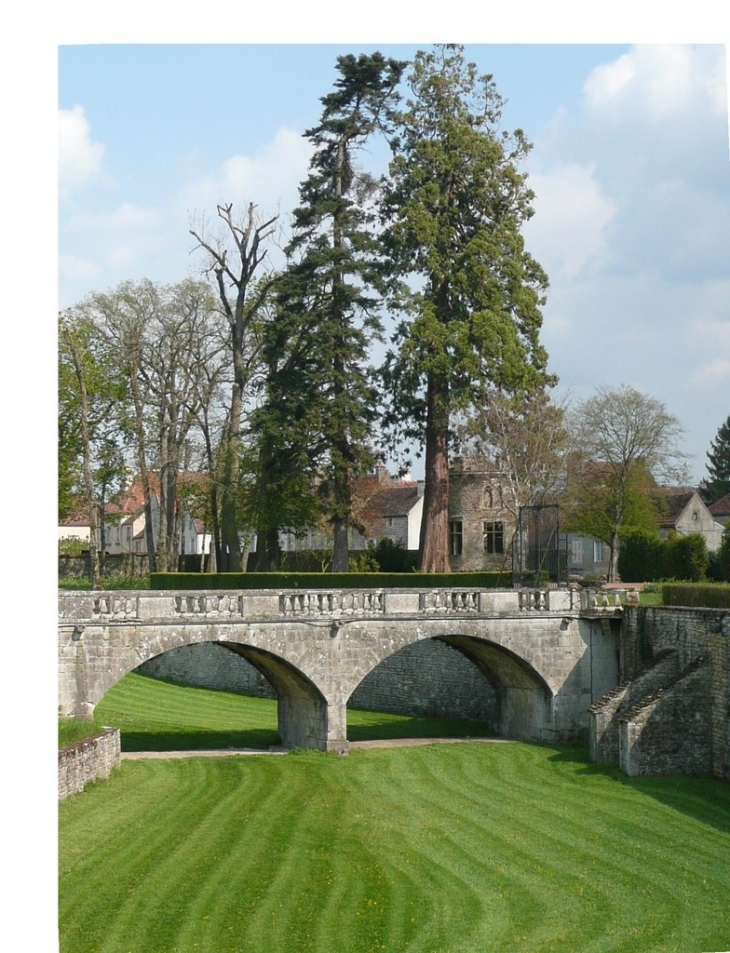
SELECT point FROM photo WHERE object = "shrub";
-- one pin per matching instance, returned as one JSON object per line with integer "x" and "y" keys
{"x": 641, "y": 557}
{"x": 72, "y": 546}
{"x": 687, "y": 557}
{"x": 335, "y": 580}
{"x": 723, "y": 556}
{"x": 393, "y": 557}
{"x": 707, "y": 596}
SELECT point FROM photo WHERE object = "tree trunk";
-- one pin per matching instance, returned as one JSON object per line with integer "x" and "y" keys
{"x": 88, "y": 476}
{"x": 434, "y": 542}
{"x": 340, "y": 547}
{"x": 613, "y": 562}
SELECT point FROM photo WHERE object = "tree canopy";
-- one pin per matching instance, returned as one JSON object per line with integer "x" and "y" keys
{"x": 320, "y": 405}
{"x": 718, "y": 463}
{"x": 626, "y": 443}
{"x": 454, "y": 207}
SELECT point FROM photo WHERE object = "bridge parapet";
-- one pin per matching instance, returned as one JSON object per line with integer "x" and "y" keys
{"x": 234, "y": 605}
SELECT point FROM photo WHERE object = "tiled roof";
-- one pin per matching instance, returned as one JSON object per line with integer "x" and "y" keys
{"x": 674, "y": 502}
{"x": 81, "y": 517}
{"x": 720, "y": 507}
{"x": 397, "y": 499}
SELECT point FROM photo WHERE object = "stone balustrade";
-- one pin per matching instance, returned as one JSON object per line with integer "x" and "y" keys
{"x": 228, "y": 605}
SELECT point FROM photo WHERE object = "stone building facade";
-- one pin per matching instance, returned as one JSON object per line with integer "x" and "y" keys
{"x": 481, "y": 520}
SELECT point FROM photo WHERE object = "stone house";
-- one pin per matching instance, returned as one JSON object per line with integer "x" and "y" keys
{"x": 481, "y": 522}
{"x": 685, "y": 513}
{"x": 389, "y": 507}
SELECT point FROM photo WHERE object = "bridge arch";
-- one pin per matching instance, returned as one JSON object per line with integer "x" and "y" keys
{"x": 304, "y": 713}
{"x": 523, "y": 696}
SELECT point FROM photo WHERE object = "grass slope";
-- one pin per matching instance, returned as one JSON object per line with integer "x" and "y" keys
{"x": 161, "y": 716}
{"x": 440, "y": 849}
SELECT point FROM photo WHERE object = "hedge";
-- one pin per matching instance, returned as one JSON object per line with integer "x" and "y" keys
{"x": 696, "y": 595}
{"x": 330, "y": 580}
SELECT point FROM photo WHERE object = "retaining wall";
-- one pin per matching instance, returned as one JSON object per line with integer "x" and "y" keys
{"x": 671, "y": 713}
{"x": 85, "y": 761}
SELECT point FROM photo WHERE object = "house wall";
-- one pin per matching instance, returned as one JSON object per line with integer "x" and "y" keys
{"x": 581, "y": 555}
{"x": 74, "y": 532}
{"x": 414, "y": 525}
{"x": 696, "y": 518}
{"x": 475, "y": 497}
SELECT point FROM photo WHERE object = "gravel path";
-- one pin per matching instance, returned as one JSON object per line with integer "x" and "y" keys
{"x": 354, "y": 745}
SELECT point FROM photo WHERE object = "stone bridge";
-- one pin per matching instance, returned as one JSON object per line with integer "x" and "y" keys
{"x": 547, "y": 654}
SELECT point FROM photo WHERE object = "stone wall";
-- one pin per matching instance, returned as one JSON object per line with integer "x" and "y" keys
{"x": 670, "y": 733}
{"x": 475, "y": 497}
{"x": 209, "y": 665}
{"x": 604, "y": 715}
{"x": 85, "y": 761}
{"x": 671, "y": 713}
{"x": 429, "y": 679}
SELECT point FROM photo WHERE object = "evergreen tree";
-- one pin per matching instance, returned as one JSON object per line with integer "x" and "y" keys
{"x": 328, "y": 301}
{"x": 454, "y": 209}
{"x": 718, "y": 467}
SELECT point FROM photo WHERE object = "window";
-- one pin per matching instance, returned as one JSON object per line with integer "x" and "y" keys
{"x": 576, "y": 552}
{"x": 597, "y": 551}
{"x": 493, "y": 537}
{"x": 456, "y": 537}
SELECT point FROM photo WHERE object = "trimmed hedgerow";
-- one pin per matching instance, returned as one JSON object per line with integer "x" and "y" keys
{"x": 330, "y": 580}
{"x": 641, "y": 557}
{"x": 696, "y": 595}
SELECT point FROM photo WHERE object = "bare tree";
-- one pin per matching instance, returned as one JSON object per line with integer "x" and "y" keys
{"x": 622, "y": 437}
{"x": 234, "y": 262}
{"x": 526, "y": 439}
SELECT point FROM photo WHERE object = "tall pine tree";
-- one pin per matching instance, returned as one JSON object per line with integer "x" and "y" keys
{"x": 718, "y": 467}
{"x": 454, "y": 209}
{"x": 329, "y": 297}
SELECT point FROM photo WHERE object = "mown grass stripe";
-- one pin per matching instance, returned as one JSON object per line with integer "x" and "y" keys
{"x": 435, "y": 849}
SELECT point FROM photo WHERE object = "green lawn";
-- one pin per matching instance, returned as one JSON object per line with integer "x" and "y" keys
{"x": 478, "y": 848}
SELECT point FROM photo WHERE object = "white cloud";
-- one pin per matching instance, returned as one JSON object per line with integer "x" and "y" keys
{"x": 568, "y": 231}
{"x": 270, "y": 178}
{"x": 79, "y": 158}
{"x": 657, "y": 82}
{"x": 125, "y": 218}
{"x": 712, "y": 371}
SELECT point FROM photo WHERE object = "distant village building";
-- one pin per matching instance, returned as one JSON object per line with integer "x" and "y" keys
{"x": 125, "y": 522}
{"x": 685, "y": 513}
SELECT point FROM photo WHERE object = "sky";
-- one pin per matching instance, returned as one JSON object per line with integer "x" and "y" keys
{"x": 630, "y": 167}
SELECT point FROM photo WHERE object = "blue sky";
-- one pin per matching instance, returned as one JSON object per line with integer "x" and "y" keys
{"x": 630, "y": 166}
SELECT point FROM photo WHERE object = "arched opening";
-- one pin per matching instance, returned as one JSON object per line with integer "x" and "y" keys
{"x": 463, "y": 679}
{"x": 302, "y": 711}
{"x": 523, "y": 696}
